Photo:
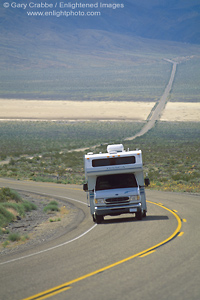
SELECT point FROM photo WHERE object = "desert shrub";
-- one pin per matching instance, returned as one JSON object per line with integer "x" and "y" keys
{"x": 4, "y": 231}
{"x": 40, "y": 137}
{"x": 52, "y": 206}
{"x": 170, "y": 150}
{"x": 13, "y": 237}
{"x": 28, "y": 206}
{"x": 5, "y": 244}
{"x": 10, "y": 199}
{"x": 24, "y": 237}
{"x": 53, "y": 203}
{"x": 171, "y": 155}
{"x": 7, "y": 194}
{"x": 15, "y": 206}
{"x": 5, "y": 216}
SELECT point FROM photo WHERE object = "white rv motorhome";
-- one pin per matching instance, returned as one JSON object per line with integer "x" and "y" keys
{"x": 115, "y": 183}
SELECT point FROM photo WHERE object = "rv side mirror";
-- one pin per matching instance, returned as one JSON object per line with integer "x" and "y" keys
{"x": 147, "y": 181}
{"x": 85, "y": 187}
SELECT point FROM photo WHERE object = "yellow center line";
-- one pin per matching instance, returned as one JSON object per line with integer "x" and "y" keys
{"x": 181, "y": 233}
{"x": 148, "y": 253}
{"x": 66, "y": 285}
{"x": 50, "y": 293}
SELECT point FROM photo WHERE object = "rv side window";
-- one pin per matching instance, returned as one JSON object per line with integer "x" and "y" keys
{"x": 113, "y": 161}
{"x": 115, "y": 181}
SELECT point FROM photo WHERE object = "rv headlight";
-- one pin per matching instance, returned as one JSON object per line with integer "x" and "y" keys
{"x": 134, "y": 198}
{"x": 99, "y": 200}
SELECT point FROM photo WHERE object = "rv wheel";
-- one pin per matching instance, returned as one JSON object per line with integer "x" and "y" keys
{"x": 93, "y": 217}
{"x": 139, "y": 215}
{"x": 97, "y": 219}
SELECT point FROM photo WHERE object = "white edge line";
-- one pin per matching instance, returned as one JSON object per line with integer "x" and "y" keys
{"x": 62, "y": 197}
{"x": 49, "y": 249}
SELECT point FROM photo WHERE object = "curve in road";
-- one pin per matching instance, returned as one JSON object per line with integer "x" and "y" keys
{"x": 105, "y": 255}
{"x": 63, "y": 287}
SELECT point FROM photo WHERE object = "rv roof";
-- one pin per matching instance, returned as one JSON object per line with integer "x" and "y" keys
{"x": 115, "y": 148}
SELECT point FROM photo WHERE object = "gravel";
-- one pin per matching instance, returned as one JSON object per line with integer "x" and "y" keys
{"x": 36, "y": 228}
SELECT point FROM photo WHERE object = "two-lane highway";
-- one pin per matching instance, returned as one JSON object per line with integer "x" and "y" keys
{"x": 122, "y": 258}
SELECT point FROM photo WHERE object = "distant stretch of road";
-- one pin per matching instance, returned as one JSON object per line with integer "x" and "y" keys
{"x": 156, "y": 113}
{"x": 122, "y": 258}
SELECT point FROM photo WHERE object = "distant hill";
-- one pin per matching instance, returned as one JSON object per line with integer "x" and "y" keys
{"x": 136, "y": 32}
{"x": 25, "y": 39}
{"x": 154, "y": 19}
{"x": 164, "y": 20}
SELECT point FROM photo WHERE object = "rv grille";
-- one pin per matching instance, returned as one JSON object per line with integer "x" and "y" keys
{"x": 117, "y": 200}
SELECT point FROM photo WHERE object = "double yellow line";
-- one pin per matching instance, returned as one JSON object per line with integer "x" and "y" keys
{"x": 65, "y": 286}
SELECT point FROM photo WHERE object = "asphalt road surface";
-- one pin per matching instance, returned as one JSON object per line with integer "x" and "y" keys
{"x": 157, "y": 111}
{"x": 122, "y": 258}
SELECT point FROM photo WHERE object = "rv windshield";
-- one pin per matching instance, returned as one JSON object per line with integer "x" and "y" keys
{"x": 111, "y": 161}
{"x": 116, "y": 181}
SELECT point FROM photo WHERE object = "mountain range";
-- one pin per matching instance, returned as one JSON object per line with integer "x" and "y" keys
{"x": 124, "y": 28}
{"x": 169, "y": 20}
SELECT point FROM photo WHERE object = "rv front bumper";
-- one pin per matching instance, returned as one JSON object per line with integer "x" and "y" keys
{"x": 119, "y": 209}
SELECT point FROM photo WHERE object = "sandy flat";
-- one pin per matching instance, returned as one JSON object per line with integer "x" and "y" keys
{"x": 73, "y": 110}
{"x": 181, "y": 112}
{"x": 12, "y": 109}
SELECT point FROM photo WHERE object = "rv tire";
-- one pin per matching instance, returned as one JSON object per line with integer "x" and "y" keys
{"x": 93, "y": 218}
{"x": 139, "y": 215}
{"x": 98, "y": 219}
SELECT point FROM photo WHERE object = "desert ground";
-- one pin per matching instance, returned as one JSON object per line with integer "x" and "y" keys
{"x": 181, "y": 112}
{"x": 74, "y": 110}
{"x": 14, "y": 109}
